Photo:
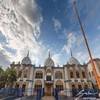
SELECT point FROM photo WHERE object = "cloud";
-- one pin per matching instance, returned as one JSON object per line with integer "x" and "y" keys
{"x": 20, "y": 22}
{"x": 57, "y": 24}
{"x": 98, "y": 27}
{"x": 82, "y": 56}
{"x": 57, "y": 58}
{"x": 71, "y": 39}
{"x": 4, "y": 59}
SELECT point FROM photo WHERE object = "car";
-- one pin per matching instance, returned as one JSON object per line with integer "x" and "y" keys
{"x": 88, "y": 93}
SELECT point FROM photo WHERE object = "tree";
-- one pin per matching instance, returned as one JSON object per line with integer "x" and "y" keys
{"x": 2, "y": 78}
{"x": 11, "y": 75}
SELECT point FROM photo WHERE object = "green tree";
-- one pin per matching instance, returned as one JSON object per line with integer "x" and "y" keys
{"x": 2, "y": 78}
{"x": 11, "y": 76}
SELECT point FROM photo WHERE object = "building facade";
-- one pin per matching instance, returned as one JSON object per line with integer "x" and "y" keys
{"x": 72, "y": 75}
{"x": 90, "y": 71}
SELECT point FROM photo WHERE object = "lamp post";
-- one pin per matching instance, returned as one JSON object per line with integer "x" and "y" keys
{"x": 87, "y": 46}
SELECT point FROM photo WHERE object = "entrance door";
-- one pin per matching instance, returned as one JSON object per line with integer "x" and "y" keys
{"x": 48, "y": 89}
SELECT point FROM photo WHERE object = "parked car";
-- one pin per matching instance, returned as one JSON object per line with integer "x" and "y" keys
{"x": 88, "y": 93}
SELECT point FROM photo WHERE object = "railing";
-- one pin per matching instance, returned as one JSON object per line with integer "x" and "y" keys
{"x": 49, "y": 81}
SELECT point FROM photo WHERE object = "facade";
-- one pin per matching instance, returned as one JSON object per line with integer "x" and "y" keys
{"x": 90, "y": 71}
{"x": 71, "y": 76}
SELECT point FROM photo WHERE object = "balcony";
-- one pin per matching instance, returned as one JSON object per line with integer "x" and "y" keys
{"x": 49, "y": 82}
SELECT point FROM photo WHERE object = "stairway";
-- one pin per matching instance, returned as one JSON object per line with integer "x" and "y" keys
{"x": 48, "y": 98}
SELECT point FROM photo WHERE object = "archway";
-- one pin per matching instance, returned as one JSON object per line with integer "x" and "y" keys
{"x": 38, "y": 85}
{"x": 59, "y": 85}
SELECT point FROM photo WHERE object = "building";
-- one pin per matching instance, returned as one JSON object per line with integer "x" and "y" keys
{"x": 72, "y": 75}
{"x": 90, "y": 71}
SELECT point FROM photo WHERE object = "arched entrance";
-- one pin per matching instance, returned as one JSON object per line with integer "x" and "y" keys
{"x": 38, "y": 85}
{"x": 48, "y": 83}
{"x": 59, "y": 85}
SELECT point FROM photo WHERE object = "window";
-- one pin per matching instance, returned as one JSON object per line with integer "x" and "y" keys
{"x": 59, "y": 87}
{"x": 71, "y": 74}
{"x": 39, "y": 75}
{"x": 48, "y": 78}
{"x": 89, "y": 74}
{"x": 25, "y": 75}
{"x": 58, "y": 75}
{"x": 77, "y": 74}
{"x": 37, "y": 86}
{"x": 20, "y": 73}
{"x": 86, "y": 86}
{"x": 83, "y": 74}
{"x": 79, "y": 87}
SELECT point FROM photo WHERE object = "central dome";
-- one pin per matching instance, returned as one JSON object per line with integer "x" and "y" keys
{"x": 73, "y": 60}
{"x": 49, "y": 62}
{"x": 26, "y": 60}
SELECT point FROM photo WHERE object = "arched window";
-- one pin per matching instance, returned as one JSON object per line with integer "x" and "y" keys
{"x": 71, "y": 75}
{"x": 25, "y": 75}
{"x": 73, "y": 90}
{"x": 77, "y": 74}
{"x": 83, "y": 74}
{"x": 39, "y": 75}
{"x": 85, "y": 86}
{"x": 59, "y": 85}
{"x": 58, "y": 75}
{"x": 89, "y": 74}
{"x": 79, "y": 87}
{"x": 38, "y": 85}
{"x": 73, "y": 86}
{"x": 19, "y": 74}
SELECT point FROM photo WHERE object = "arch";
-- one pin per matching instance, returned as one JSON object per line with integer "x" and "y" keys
{"x": 58, "y": 75}
{"x": 74, "y": 92}
{"x": 19, "y": 73}
{"x": 48, "y": 71}
{"x": 77, "y": 74}
{"x": 59, "y": 85}
{"x": 38, "y": 84}
{"x": 71, "y": 74}
{"x": 23, "y": 88}
{"x": 79, "y": 87}
{"x": 39, "y": 74}
{"x": 85, "y": 86}
{"x": 83, "y": 74}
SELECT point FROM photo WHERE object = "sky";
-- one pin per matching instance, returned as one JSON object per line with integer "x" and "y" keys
{"x": 40, "y": 26}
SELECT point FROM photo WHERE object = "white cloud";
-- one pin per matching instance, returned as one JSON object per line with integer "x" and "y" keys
{"x": 82, "y": 56}
{"x": 57, "y": 24}
{"x": 71, "y": 39}
{"x": 20, "y": 22}
{"x": 57, "y": 58}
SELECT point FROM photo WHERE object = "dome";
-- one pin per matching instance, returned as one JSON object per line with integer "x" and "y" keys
{"x": 49, "y": 62}
{"x": 26, "y": 60}
{"x": 73, "y": 60}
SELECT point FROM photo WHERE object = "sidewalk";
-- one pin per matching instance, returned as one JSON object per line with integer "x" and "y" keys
{"x": 48, "y": 98}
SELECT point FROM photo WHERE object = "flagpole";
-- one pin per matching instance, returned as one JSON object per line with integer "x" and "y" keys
{"x": 87, "y": 46}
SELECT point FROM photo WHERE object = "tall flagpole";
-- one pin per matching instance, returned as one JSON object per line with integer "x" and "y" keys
{"x": 87, "y": 45}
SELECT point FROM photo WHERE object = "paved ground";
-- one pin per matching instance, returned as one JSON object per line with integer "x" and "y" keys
{"x": 48, "y": 98}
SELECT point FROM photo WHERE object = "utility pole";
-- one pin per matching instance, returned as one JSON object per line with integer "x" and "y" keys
{"x": 87, "y": 46}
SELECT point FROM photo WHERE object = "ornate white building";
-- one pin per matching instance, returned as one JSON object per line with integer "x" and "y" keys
{"x": 72, "y": 75}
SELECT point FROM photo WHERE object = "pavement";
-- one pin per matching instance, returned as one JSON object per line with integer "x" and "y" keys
{"x": 48, "y": 98}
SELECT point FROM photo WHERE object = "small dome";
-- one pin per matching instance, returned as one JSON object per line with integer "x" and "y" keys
{"x": 73, "y": 60}
{"x": 26, "y": 60}
{"x": 49, "y": 62}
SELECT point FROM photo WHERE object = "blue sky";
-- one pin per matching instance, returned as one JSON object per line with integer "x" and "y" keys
{"x": 48, "y": 25}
